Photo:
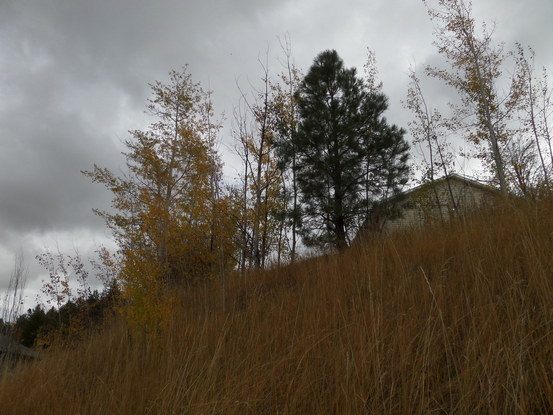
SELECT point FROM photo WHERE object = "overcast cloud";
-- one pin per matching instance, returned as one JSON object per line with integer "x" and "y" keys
{"x": 74, "y": 75}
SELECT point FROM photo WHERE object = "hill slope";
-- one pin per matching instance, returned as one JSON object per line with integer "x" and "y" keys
{"x": 456, "y": 320}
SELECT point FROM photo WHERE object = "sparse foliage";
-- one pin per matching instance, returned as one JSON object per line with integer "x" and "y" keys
{"x": 261, "y": 178}
{"x": 285, "y": 105}
{"x": 13, "y": 297}
{"x": 429, "y": 131}
{"x": 57, "y": 287}
{"x": 532, "y": 156}
{"x": 477, "y": 66}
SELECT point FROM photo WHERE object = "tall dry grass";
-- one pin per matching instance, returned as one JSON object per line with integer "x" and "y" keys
{"x": 455, "y": 320}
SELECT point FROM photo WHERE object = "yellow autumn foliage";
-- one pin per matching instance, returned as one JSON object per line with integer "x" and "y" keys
{"x": 166, "y": 217}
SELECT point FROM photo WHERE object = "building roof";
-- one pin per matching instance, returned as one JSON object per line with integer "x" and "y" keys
{"x": 452, "y": 176}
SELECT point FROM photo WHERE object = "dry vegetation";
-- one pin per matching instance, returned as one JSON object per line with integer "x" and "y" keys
{"x": 451, "y": 321}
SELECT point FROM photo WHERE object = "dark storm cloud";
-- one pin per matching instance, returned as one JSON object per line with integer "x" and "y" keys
{"x": 73, "y": 80}
{"x": 74, "y": 69}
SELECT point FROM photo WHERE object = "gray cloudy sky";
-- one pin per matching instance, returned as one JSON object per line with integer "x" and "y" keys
{"x": 74, "y": 75}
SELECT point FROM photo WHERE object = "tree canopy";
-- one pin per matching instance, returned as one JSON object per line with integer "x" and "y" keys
{"x": 347, "y": 155}
{"x": 166, "y": 217}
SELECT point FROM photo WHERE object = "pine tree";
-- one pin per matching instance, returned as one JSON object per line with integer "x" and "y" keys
{"x": 348, "y": 156}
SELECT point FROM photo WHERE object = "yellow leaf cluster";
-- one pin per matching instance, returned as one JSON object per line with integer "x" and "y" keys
{"x": 165, "y": 209}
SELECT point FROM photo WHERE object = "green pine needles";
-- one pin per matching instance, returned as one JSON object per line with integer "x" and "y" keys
{"x": 347, "y": 155}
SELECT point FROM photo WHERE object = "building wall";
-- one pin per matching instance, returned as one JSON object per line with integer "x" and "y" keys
{"x": 422, "y": 206}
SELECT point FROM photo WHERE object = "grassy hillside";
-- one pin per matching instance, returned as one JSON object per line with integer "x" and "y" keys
{"x": 445, "y": 321}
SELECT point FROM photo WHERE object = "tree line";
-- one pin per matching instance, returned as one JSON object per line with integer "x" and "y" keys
{"x": 317, "y": 153}
{"x": 317, "y": 157}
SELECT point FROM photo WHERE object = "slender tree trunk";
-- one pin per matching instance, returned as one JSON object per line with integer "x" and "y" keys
{"x": 295, "y": 212}
{"x": 339, "y": 223}
{"x": 257, "y": 207}
{"x": 245, "y": 216}
{"x": 263, "y": 119}
{"x": 486, "y": 106}
{"x": 531, "y": 106}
